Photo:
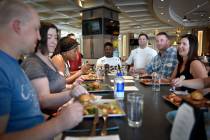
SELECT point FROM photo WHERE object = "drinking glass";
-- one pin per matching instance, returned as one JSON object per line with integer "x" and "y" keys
{"x": 156, "y": 82}
{"x": 135, "y": 109}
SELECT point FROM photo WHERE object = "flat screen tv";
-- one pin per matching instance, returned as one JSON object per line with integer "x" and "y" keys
{"x": 111, "y": 27}
{"x": 92, "y": 27}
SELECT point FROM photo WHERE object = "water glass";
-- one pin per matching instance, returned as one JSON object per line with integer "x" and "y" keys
{"x": 156, "y": 82}
{"x": 100, "y": 73}
{"x": 135, "y": 109}
{"x": 124, "y": 70}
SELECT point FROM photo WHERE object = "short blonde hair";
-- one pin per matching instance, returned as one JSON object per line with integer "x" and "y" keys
{"x": 10, "y": 9}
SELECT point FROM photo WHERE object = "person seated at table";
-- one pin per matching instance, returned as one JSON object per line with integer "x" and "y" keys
{"x": 77, "y": 63}
{"x": 189, "y": 65}
{"x": 65, "y": 51}
{"x": 165, "y": 61}
{"x": 44, "y": 76}
{"x": 108, "y": 60}
{"x": 199, "y": 83}
{"x": 142, "y": 55}
{"x": 20, "y": 115}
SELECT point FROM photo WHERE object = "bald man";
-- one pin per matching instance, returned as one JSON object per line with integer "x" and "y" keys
{"x": 20, "y": 115}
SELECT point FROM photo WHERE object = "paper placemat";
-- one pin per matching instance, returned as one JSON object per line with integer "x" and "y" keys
{"x": 126, "y": 81}
{"x": 110, "y": 137}
{"x": 129, "y": 88}
{"x": 128, "y": 77}
{"x": 111, "y": 74}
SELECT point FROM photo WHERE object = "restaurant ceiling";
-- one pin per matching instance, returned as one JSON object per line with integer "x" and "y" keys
{"x": 149, "y": 16}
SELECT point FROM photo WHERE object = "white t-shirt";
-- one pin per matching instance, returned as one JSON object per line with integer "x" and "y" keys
{"x": 111, "y": 61}
{"x": 141, "y": 57}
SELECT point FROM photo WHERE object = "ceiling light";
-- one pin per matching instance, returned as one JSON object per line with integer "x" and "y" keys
{"x": 209, "y": 17}
{"x": 162, "y": 0}
{"x": 80, "y": 2}
{"x": 185, "y": 19}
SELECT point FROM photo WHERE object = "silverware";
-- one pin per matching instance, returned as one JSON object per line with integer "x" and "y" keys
{"x": 104, "y": 131}
{"x": 95, "y": 122}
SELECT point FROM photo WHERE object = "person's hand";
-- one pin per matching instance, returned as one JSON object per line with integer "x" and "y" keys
{"x": 142, "y": 72}
{"x": 123, "y": 58}
{"x": 85, "y": 68}
{"x": 78, "y": 90}
{"x": 177, "y": 82}
{"x": 78, "y": 81}
{"x": 131, "y": 70}
{"x": 70, "y": 115}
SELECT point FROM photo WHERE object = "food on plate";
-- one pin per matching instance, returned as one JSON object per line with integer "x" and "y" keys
{"x": 86, "y": 98}
{"x": 150, "y": 81}
{"x": 90, "y": 76}
{"x": 196, "y": 95}
{"x": 103, "y": 108}
{"x": 165, "y": 81}
{"x": 146, "y": 81}
{"x": 174, "y": 98}
{"x": 93, "y": 85}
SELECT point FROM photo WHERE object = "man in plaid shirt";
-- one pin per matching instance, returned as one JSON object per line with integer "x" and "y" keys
{"x": 165, "y": 62}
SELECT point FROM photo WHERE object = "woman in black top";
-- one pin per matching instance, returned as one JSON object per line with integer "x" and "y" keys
{"x": 188, "y": 63}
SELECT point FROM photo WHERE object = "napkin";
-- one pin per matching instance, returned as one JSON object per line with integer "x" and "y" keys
{"x": 129, "y": 88}
{"x": 128, "y": 77}
{"x": 126, "y": 81}
{"x": 111, "y": 74}
{"x": 181, "y": 92}
{"x": 109, "y": 137}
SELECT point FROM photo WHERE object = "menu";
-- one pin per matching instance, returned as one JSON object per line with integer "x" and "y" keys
{"x": 183, "y": 123}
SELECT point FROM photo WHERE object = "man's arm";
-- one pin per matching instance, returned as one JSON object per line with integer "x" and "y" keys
{"x": 69, "y": 117}
{"x": 129, "y": 61}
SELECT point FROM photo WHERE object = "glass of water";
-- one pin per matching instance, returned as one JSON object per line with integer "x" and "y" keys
{"x": 156, "y": 82}
{"x": 135, "y": 109}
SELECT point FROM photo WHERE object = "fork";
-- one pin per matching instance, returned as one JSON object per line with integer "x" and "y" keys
{"x": 104, "y": 131}
{"x": 95, "y": 122}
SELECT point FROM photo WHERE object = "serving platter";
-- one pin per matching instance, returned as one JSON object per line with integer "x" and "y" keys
{"x": 173, "y": 99}
{"x": 100, "y": 87}
{"x": 177, "y": 99}
{"x": 91, "y": 77}
{"x": 109, "y": 106}
{"x": 149, "y": 82}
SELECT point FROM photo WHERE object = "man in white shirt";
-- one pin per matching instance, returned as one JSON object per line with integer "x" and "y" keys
{"x": 108, "y": 59}
{"x": 142, "y": 55}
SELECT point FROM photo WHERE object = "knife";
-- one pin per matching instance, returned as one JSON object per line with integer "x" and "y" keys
{"x": 95, "y": 122}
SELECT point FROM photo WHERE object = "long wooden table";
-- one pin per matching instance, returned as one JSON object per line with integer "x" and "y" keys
{"x": 154, "y": 126}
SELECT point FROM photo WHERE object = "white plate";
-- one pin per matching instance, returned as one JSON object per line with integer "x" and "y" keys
{"x": 181, "y": 92}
